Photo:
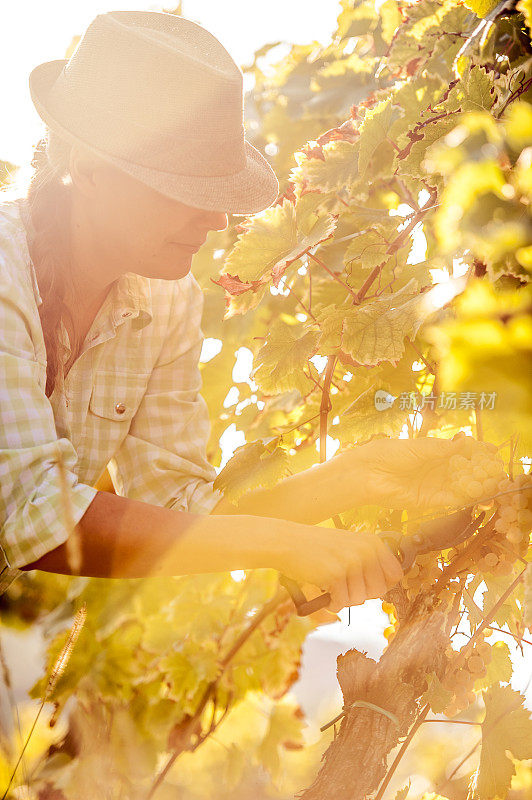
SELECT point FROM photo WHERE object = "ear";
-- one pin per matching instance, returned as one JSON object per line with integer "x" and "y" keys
{"x": 85, "y": 170}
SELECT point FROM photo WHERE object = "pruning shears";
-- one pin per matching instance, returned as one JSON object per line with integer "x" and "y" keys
{"x": 431, "y": 536}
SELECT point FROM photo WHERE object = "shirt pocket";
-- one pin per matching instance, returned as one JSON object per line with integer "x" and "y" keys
{"x": 116, "y": 397}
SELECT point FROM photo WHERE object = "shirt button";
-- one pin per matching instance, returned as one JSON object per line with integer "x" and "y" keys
{"x": 120, "y": 408}
{"x": 126, "y": 314}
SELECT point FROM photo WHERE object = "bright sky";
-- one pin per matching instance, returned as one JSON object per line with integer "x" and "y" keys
{"x": 34, "y": 32}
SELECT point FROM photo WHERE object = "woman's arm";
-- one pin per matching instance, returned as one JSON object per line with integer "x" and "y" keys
{"x": 125, "y": 538}
{"x": 312, "y": 495}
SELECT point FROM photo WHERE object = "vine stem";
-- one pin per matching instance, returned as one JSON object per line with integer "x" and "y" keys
{"x": 417, "y": 351}
{"x": 301, "y": 303}
{"x": 326, "y": 406}
{"x": 333, "y": 275}
{"x": 394, "y": 247}
{"x": 210, "y": 689}
{"x": 458, "y": 766}
{"x": 509, "y": 633}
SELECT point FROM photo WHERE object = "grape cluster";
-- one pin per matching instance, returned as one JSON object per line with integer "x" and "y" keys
{"x": 422, "y": 574}
{"x": 460, "y": 682}
{"x": 485, "y": 483}
{"x": 514, "y": 510}
{"x": 475, "y": 480}
{"x": 482, "y": 482}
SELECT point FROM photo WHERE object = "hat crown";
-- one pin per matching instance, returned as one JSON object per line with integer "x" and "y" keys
{"x": 159, "y": 97}
{"x": 141, "y": 64}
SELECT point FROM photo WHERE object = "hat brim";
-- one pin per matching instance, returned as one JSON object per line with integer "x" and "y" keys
{"x": 249, "y": 191}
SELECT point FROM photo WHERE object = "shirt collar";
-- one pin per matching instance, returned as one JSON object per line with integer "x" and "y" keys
{"x": 131, "y": 297}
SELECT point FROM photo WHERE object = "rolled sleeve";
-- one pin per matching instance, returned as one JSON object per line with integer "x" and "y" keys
{"x": 33, "y": 512}
{"x": 163, "y": 457}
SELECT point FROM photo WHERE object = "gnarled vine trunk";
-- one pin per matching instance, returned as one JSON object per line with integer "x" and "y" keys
{"x": 355, "y": 762}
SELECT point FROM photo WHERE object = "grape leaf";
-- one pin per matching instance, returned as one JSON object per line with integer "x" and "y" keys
{"x": 280, "y": 361}
{"x": 369, "y": 249}
{"x": 259, "y": 463}
{"x": 402, "y": 793}
{"x": 374, "y": 331}
{"x": 375, "y": 129}
{"x": 478, "y": 90}
{"x": 274, "y": 238}
{"x": 437, "y": 696}
{"x": 285, "y": 729}
{"x": 499, "y": 668}
{"x": 390, "y": 20}
{"x": 506, "y": 726}
{"x": 481, "y": 7}
{"x": 338, "y": 169}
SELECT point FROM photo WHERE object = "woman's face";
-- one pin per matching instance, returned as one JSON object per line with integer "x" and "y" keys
{"x": 133, "y": 228}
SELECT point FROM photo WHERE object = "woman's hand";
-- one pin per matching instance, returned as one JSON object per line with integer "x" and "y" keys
{"x": 403, "y": 473}
{"x": 351, "y": 566}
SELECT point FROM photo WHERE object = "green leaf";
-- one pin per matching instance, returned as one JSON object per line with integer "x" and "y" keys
{"x": 481, "y": 7}
{"x": 255, "y": 464}
{"x": 469, "y": 182}
{"x": 525, "y": 7}
{"x": 478, "y": 90}
{"x": 499, "y": 668}
{"x": 368, "y": 249}
{"x": 362, "y": 419}
{"x": 402, "y": 793}
{"x": 374, "y": 331}
{"x": 234, "y": 765}
{"x": 518, "y": 124}
{"x": 390, "y": 19}
{"x": 280, "y": 361}
{"x": 437, "y": 696}
{"x": 216, "y": 377}
{"x": 422, "y": 139}
{"x": 506, "y": 726}
{"x": 374, "y": 130}
{"x": 274, "y": 238}
{"x": 285, "y": 728}
{"x": 338, "y": 169}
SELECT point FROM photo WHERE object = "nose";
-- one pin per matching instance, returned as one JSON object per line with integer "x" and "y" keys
{"x": 216, "y": 220}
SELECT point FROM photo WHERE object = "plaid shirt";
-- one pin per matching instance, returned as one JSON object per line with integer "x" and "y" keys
{"x": 131, "y": 402}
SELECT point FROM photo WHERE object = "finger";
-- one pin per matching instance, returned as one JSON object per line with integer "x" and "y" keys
{"x": 462, "y": 445}
{"x": 374, "y": 579}
{"x": 459, "y": 435}
{"x": 391, "y": 566}
{"x": 339, "y": 594}
{"x": 356, "y": 584}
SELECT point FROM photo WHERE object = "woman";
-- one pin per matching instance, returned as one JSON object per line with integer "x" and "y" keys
{"x": 144, "y": 153}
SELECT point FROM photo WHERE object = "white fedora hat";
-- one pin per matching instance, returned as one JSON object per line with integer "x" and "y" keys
{"x": 159, "y": 97}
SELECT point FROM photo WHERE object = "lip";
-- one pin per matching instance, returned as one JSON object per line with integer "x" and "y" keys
{"x": 188, "y": 246}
